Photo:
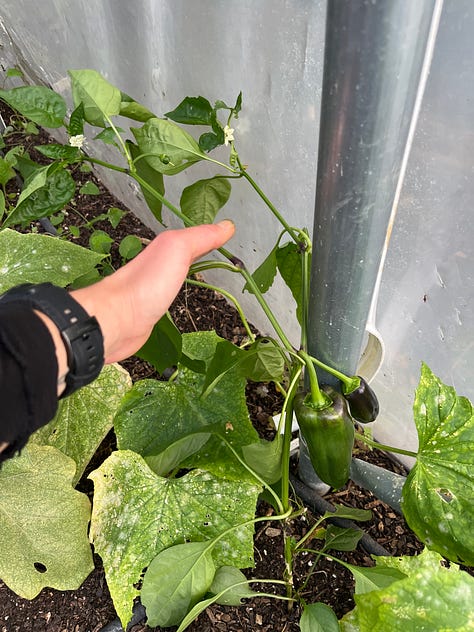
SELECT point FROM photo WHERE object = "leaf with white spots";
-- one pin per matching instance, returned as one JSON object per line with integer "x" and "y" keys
{"x": 154, "y": 414}
{"x": 43, "y": 523}
{"x": 137, "y": 514}
{"x": 438, "y": 496}
{"x": 432, "y": 596}
{"x": 84, "y": 418}
{"x": 32, "y": 258}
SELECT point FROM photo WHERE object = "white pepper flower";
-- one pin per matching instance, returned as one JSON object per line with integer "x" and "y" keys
{"x": 77, "y": 141}
{"x": 228, "y": 134}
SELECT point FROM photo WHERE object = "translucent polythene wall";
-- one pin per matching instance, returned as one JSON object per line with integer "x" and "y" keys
{"x": 272, "y": 50}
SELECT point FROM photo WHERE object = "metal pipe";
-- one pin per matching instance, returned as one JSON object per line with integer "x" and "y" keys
{"x": 376, "y": 55}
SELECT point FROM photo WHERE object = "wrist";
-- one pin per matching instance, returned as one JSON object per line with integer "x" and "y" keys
{"x": 60, "y": 349}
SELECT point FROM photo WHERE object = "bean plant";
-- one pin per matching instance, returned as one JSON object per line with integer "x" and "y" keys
{"x": 174, "y": 507}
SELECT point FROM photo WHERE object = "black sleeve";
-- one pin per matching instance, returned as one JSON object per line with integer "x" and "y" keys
{"x": 28, "y": 376}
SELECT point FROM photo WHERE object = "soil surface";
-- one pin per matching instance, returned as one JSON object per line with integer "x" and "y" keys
{"x": 90, "y": 609}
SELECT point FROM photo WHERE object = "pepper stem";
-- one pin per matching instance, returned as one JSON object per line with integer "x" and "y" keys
{"x": 318, "y": 398}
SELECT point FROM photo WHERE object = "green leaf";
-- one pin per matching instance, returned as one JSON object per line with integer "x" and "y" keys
{"x": 101, "y": 100}
{"x": 129, "y": 247}
{"x": 31, "y": 258}
{"x": 43, "y": 523}
{"x": 423, "y": 600}
{"x": 192, "y": 111}
{"x": 156, "y": 414}
{"x": 438, "y": 496}
{"x": 264, "y": 275}
{"x": 84, "y": 418}
{"x": 202, "y": 200}
{"x": 31, "y": 129}
{"x": 171, "y": 149}
{"x": 2, "y": 204}
{"x": 175, "y": 581}
{"x": 38, "y": 103}
{"x": 58, "y": 190}
{"x": 76, "y": 121}
{"x": 210, "y": 140}
{"x": 6, "y": 172}
{"x": 133, "y": 110}
{"x": 129, "y": 529}
{"x": 342, "y": 539}
{"x": 163, "y": 349}
{"x": 89, "y": 188}
{"x": 152, "y": 178}
{"x": 114, "y": 215}
{"x": 351, "y": 513}
{"x": 264, "y": 457}
{"x": 289, "y": 264}
{"x": 232, "y": 585}
{"x": 36, "y": 180}
{"x": 263, "y": 361}
{"x": 59, "y": 152}
{"x": 100, "y": 241}
{"x": 108, "y": 136}
{"x": 171, "y": 457}
{"x": 374, "y": 577}
{"x": 318, "y": 617}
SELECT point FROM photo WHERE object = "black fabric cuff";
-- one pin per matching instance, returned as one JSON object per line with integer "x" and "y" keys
{"x": 28, "y": 376}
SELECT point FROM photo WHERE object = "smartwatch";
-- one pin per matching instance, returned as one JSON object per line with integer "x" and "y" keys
{"x": 80, "y": 332}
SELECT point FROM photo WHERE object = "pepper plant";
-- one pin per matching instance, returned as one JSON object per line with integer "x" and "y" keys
{"x": 174, "y": 506}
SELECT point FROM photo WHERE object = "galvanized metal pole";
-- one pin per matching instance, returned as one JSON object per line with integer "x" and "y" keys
{"x": 375, "y": 54}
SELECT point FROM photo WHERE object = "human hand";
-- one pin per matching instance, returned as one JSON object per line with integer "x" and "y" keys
{"x": 131, "y": 301}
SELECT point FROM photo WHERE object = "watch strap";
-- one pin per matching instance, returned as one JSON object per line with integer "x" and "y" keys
{"x": 80, "y": 332}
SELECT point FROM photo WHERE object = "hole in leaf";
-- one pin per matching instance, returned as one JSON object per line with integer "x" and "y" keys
{"x": 445, "y": 494}
{"x": 41, "y": 568}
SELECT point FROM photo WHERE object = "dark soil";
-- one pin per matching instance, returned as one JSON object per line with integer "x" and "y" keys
{"x": 89, "y": 608}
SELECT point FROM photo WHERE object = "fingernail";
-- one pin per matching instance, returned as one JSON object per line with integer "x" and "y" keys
{"x": 224, "y": 222}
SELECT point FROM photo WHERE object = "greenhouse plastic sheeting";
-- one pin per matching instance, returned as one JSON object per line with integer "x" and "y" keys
{"x": 272, "y": 50}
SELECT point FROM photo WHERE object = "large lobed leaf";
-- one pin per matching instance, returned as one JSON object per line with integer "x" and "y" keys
{"x": 43, "y": 523}
{"x": 155, "y": 414}
{"x": 32, "y": 258}
{"x": 137, "y": 514}
{"x": 84, "y": 418}
{"x": 438, "y": 496}
{"x": 430, "y": 597}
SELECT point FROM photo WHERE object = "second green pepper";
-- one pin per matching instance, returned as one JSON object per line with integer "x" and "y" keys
{"x": 329, "y": 434}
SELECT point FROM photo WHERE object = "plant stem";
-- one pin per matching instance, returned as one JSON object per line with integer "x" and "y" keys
{"x": 281, "y": 509}
{"x": 102, "y": 163}
{"x": 305, "y": 277}
{"x": 263, "y": 304}
{"x": 231, "y": 298}
{"x": 350, "y": 382}
{"x": 387, "y": 448}
{"x": 274, "y": 210}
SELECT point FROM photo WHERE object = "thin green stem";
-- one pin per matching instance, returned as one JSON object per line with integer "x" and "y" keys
{"x": 200, "y": 266}
{"x": 387, "y": 448}
{"x": 263, "y": 304}
{"x": 305, "y": 278}
{"x": 231, "y": 298}
{"x": 287, "y": 416}
{"x": 271, "y": 206}
{"x": 126, "y": 153}
{"x": 102, "y": 163}
{"x": 309, "y": 533}
{"x": 281, "y": 508}
{"x": 350, "y": 382}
